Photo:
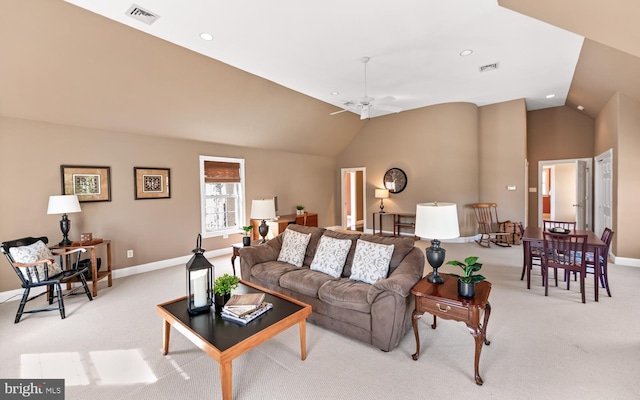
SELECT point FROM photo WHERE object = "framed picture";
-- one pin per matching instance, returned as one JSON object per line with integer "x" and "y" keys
{"x": 87, "y": 182}
{"x": 151, "y": 183}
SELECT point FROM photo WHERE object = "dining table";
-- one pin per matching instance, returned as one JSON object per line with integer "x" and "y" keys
{"x": 533, "y": 237}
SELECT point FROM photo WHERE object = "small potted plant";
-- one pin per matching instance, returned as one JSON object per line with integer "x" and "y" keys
{"x": 467, "y": 281}
{"x": 299, "y": 209}
{"x": 246, "y": 239}
{"x": 222, "y": 287}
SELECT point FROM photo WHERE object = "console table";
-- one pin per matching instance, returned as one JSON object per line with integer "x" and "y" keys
{"x": 96, "y": 275}
{"x": 400, "y": 221}
{"x": 442, "y": 300}
{"x": 278, "y": 226}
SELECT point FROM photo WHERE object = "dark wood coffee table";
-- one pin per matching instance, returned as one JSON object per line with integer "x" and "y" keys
{"x": 224, "y": 340}
{"x": 442, "y": 300}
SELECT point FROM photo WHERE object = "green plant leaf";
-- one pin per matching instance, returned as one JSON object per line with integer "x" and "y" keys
{"x": 456, "y": 263}
{"x": 471, "y": 260}
{"x": 225, "y": 283}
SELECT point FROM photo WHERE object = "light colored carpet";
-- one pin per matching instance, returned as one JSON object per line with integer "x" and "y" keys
{"x": 551, "y": 347}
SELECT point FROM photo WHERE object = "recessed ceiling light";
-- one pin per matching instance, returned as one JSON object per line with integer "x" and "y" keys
{"x": 580, "y": 108}
{"x": 335, "y": 93}
{"x": 551, "y": 96}
{"x": 466, "y": 52}
{"x": 206, "y": 36}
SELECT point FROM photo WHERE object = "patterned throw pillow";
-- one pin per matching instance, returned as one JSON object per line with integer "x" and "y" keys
{"x": 371, "y": 261}
{"x": 32, "y": 253}
{"x": 294, "y": 247}
{"x": 331, "y": 256}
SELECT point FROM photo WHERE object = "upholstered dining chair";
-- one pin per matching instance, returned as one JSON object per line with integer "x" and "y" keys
{"x": 564, "y": 251}
{"x": 35, "y": 265}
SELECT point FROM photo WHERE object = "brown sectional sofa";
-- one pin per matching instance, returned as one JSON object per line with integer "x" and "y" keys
{"x": 378, "y": 314}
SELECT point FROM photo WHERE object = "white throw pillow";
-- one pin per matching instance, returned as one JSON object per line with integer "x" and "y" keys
{"x": 32, "y": 253}
{"x": 294, "y": 247}
{"x": 331, "y": 256}
{"x": 371, "y": 261}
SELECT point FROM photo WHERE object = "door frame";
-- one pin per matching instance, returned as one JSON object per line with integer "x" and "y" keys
{"x": 343, "y": 194}
{"x": 589, "y": 188}
{"x": 602, "y": 192}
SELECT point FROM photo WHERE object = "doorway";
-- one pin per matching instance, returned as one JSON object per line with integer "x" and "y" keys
{"x": 353, "y": 198}
{"x": 565, "y": 191}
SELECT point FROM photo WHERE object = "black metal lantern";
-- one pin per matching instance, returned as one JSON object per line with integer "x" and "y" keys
{"x": 199, "y": 281}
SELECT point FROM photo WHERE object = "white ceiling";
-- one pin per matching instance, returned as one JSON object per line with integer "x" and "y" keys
{"x": 315, "y": 48}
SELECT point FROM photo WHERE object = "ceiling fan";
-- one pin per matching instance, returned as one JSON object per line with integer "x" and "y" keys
{"x": 366, "y": 103}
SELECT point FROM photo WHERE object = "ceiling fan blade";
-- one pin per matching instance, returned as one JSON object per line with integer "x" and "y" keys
{"x": 341, "y": 111}
{"x": 385, "y": 99}
{"x": 365, "y": 113}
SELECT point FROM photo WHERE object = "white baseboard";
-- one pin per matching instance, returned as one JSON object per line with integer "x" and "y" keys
{"x": 13, "y": 295}
{"x": 630, "y": 262}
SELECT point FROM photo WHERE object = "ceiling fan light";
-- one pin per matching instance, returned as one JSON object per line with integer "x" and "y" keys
{"x": 365, "y": 113}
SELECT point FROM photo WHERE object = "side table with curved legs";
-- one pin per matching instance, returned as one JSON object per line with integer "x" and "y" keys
{"x": 442, "y": 300}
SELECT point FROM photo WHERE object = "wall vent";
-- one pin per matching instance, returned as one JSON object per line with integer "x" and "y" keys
{"x": 139, "y": 13}
{"x": 489, "y": 67}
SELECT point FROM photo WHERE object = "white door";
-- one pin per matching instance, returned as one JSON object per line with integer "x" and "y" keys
{"x": 351, "y": 194}
{"x": 603, "y": 196}
{"x": 580, "y": 204}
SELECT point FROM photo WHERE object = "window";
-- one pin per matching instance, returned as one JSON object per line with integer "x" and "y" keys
{"x": 222, "y": 195}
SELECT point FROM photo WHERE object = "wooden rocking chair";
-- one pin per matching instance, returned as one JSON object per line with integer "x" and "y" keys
{"x": 491, "y": 229}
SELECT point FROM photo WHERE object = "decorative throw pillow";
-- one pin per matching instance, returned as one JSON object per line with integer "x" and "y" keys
{"x": 371, "y": 261}
{"x": 294, "y": 247}
{"x": 32, "y": 253}
{"x": 331, "y": 256}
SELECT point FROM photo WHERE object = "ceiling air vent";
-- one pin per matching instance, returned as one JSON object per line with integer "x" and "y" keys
{"x": 489, "y": 67}
{"x": 139, "y": 13}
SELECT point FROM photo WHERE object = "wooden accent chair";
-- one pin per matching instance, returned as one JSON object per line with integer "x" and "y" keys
{"x": 564, "y": 251}
{"x": 490, "y": 227}
{"x": 34, "y": 264}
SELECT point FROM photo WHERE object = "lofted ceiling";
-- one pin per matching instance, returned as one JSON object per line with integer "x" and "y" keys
{"x": 86, "y": 63}
{"x": 415, "y": 47}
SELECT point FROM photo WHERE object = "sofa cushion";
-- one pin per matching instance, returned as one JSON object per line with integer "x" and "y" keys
{"x": 354, "y": 239}
{"x": 331, "y": 255}
{"x": 304, "y": 281}
{"x": 316, "y": 234}
{"x": 402, "y": 247}
{"x": 271, "y": 271}
{"x": 346, "y": 293}
{"x": 294, "y": 247}
{"x": 371, "y": 261}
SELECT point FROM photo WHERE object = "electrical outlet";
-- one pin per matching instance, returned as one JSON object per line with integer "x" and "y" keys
{"x": 129, "y": 253}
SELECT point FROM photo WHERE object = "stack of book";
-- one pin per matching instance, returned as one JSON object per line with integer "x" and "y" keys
{"x": 246, "y": 318}
{"x": 243, "y": 308}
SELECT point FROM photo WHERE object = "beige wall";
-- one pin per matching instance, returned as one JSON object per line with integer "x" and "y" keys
{"x": 438, "y": 147}
{"x": 503, "y": 151}
{"x": 154, "y": 229}
{"x": 628, "y": 183}
{"x": 558, "y": 133}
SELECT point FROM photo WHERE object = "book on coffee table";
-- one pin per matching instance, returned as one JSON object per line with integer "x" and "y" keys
{"x": 241, "y": 304}
{"x": 245, "y": 319}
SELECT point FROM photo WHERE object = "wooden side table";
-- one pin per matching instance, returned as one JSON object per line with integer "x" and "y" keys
{"x": 236, "y": 252}
{"x": 96, "y": 275}
{"x": 442, "y": 300}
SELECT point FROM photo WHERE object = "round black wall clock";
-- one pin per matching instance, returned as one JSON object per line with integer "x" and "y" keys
{"x": 395, "y": 180}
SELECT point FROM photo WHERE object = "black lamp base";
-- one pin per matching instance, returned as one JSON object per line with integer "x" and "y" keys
{"x": 435, "y": 256}
{"x": 65, "y": 225}
{"x": 263, "y": 229}
{"x": 381, "y": 207}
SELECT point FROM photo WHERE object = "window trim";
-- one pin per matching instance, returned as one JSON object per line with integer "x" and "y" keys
{"x": 242, "y": 196}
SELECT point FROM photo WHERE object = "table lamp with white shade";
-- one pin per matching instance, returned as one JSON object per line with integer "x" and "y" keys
{"x": 64, "y": 204}
{"x": 263, "y": 210}
{"x": 381, "y": 194}
{"x": 436, "y": 221}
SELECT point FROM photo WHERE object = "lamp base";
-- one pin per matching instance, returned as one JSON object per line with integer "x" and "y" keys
{"x": 434, "y": 277}
{"x": 263, "y": 230}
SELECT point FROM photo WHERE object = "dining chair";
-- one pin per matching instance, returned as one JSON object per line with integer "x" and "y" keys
{"x": 536, "y": 254}
{"x": 590, "y": 258}
{"x": 548, "y": 224}
{"x": 564, "y": 251}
